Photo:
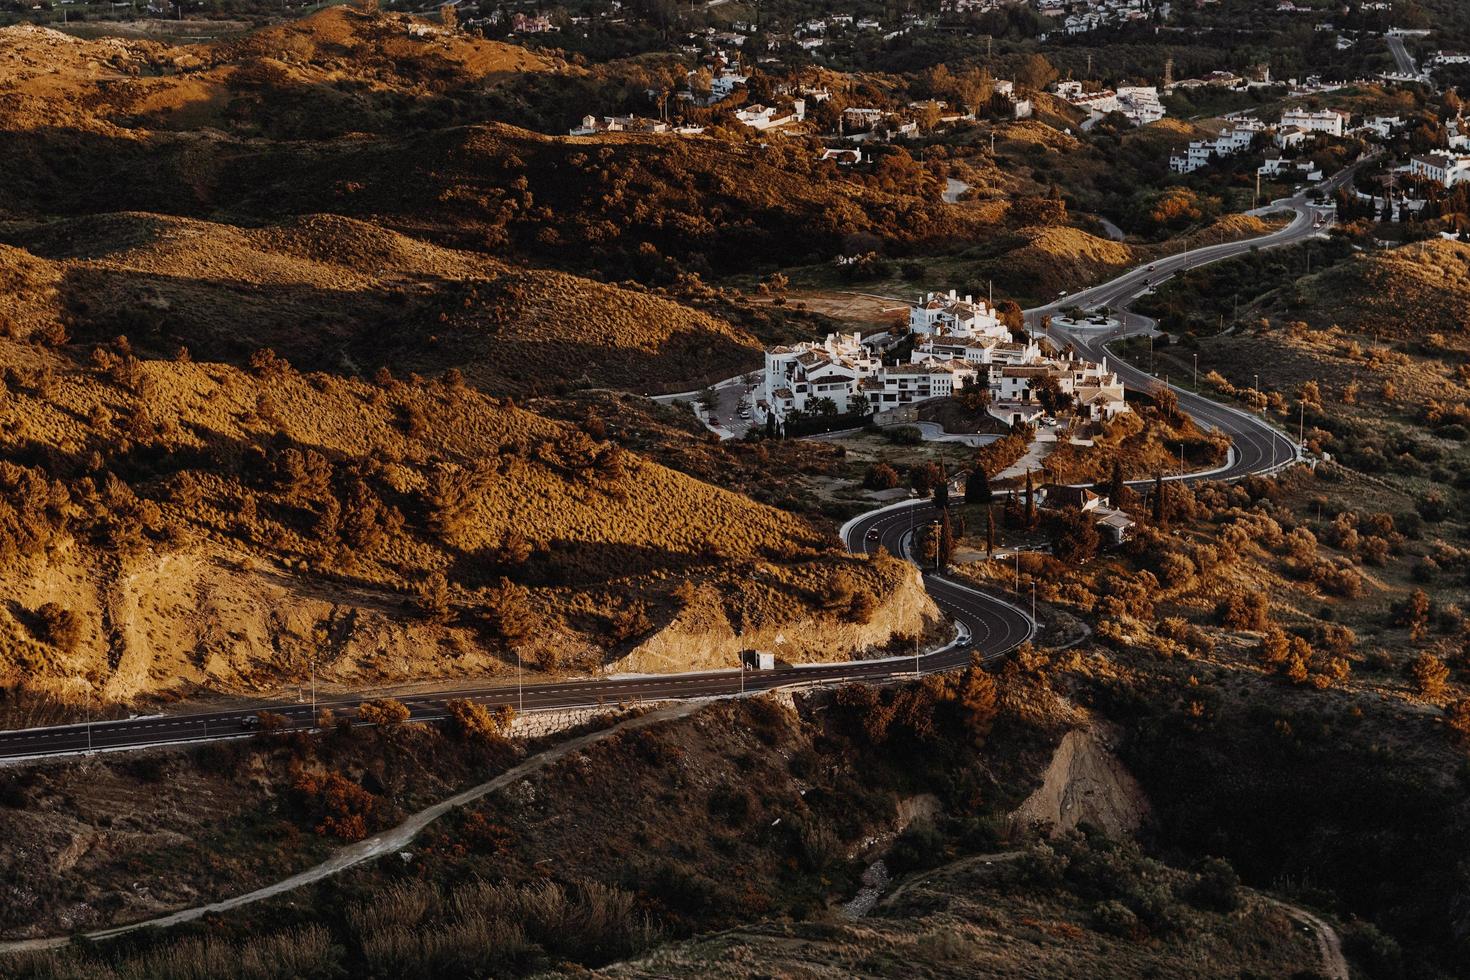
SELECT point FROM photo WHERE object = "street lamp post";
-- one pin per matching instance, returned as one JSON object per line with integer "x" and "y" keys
{"x": 1033, "y": 602}
{"x": 1196, "y": 373}
{"x": 1256, "y": 393}
{"x": 520, "y": 694}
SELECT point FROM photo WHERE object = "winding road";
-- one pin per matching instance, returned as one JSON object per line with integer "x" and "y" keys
{"x": 985, "y": 623}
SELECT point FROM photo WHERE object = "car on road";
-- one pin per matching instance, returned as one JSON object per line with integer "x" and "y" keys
{"x": 872, "y": 534}
{"x": 1152, "y": 268}
{"x": 251, "y": 722}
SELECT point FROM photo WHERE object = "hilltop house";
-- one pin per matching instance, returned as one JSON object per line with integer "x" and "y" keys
{"x": 1230, "y": 141}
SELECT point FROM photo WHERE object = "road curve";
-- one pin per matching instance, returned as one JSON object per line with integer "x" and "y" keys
{"x": 987, "y": 624}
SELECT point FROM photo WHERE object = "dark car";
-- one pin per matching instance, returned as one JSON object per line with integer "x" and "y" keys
{"x": 873, "y": 534}
{"x": 251, "y": 722}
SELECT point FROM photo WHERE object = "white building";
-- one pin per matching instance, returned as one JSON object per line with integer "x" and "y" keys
{"x": 1330, "y": 121}
{"x": 592, "y": 126}
{"x": 1230, "y": 141}
{"x": 939, "y": 315}
{"x": 960, "y": 342}
{"x": 1442, "y": 168}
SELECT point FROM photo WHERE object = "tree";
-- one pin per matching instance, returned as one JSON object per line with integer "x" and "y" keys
{"x": 708, "y": 400}
{"x": 383, "y": 712}
{"x": 433, "y": 598}
{"x": 448, "y": 17}
{"x": 941, "y": 495}
{"x": 1430, "y": 675}
{"x": 508, "y": 613}
{"x": 975, "y": 695}
{"x": 1050, "y": 394}
{"x": 1167, "y": 404}
{"x": 990, "y": 531}
{"x": 1074, "y": 536}
{"x": 1030, "y": 501}
{"x": 1036, "y": 73}
{"x": 770, "y": 425}
{"x": 1161, "y": 505}
{"x": 922, "y": 478}
{"x": 946, "y": 539}
{"x": 1117, "y": 488}
{"x": 977, "y": 487}
{"x": 974, "y": 396}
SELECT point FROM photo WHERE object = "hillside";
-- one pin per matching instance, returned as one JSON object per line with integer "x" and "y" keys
{"x": 1404, "y": 292}
{"x": 345, "y": 296}
{"x": 172, "y": 525}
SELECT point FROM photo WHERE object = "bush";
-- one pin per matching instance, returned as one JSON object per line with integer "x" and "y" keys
{"x": 920, "y": 846}
{"x": 1217, "y": 887}
{"x": 477, "y": 722}
{"x": 1115, "y": 919}
{"x": 1430, "y": 675}
{"x": 383, "y": 712}
{"x": 880, "y": 476}
{"x": 59, "y": 627}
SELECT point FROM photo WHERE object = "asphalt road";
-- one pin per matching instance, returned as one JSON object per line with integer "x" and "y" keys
{"x": 987, "y": 624}
{"x": 1401, "y": 58}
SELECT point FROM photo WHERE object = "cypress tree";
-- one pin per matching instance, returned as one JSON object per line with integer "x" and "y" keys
{"x": 989, "y": 531}
{"x": 977, "y": 487}
{"x": 1030, "y": 501}
{"x": 1161, "y": 506}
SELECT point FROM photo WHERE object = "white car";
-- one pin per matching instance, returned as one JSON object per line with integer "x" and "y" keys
{"x": 1048, "y": 420}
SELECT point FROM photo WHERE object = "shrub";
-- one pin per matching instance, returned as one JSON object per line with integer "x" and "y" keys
{"x": 1430, "y": 674}
{"x": 383, "y": 712}
{"x": 880, "y": 476}
{"x": 59, "y": 627}
{"x": 1114, "y": 918}
{"x": 1217, "y": 887}
{"x": 477, "y": 722}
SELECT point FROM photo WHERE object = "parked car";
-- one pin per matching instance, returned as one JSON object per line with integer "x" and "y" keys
{"x": 1048, "y": 420}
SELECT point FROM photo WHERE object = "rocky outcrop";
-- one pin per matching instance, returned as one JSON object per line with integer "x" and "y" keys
{"x": 704, "y": 637}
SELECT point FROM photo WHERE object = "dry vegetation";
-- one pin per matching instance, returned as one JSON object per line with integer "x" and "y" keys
{"x": 210, "y": 526}
{"x": 345, "y": 296}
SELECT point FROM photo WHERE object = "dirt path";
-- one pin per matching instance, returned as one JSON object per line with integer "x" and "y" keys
{"x": 996, "y": 858}
{"x": 1329, "y": 943}
{"x": 388, "y": 842}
